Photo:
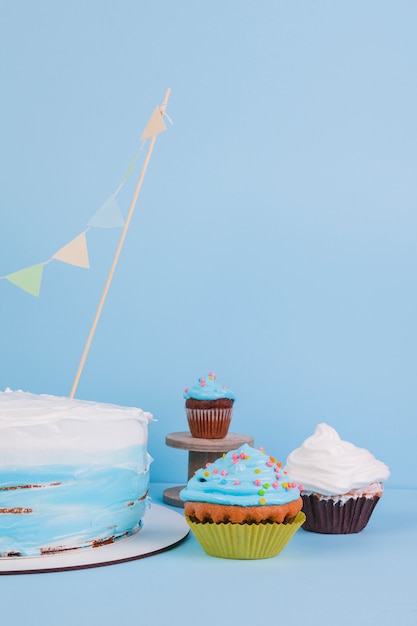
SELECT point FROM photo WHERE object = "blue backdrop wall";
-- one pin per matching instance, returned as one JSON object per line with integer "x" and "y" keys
{"x": 274, "y": 240}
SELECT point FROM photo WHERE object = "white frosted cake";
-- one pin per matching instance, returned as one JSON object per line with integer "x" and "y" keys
{"x": 73, "y": 473}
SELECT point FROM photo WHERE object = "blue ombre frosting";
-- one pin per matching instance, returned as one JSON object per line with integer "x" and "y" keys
{"x": 209, "y": 389}
{"x": 64, "y": 507}
{"x": 242, "y": 477}
{"x": 73, "y": 474}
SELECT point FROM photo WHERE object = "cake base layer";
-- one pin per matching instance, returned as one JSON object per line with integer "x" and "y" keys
{"x": 60, "y": 508}
{"x": 221, "y": 513}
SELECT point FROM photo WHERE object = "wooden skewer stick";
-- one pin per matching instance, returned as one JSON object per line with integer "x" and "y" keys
{"x": 116, "y": 256}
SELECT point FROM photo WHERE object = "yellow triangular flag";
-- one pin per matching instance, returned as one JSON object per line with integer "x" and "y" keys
{"x": 75, "y": 252}
{"x": 155, "y": 125}
{"x": 28, "y": 279}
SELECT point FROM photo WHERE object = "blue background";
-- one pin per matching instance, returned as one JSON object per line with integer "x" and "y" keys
{"x": 274, "y": 240}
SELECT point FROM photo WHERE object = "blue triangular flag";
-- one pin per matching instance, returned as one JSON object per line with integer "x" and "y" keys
{"x": 108, "y": 215}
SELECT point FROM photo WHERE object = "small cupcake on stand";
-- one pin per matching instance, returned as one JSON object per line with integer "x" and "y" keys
{"x": 209, "y": 408}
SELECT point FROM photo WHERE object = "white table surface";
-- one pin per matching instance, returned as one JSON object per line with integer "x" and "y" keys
{"x": 367, "y": 579}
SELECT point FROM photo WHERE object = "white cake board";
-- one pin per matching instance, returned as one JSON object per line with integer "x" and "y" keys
{"x": 162, "y": 529}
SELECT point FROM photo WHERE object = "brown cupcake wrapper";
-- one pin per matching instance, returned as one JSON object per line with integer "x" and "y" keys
{"x": 209, "y": 423}
{"x": 337, "y": 517}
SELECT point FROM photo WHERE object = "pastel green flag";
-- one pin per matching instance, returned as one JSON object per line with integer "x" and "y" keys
{"x": 28, "y": 279}
{"x": 129, "y": 169}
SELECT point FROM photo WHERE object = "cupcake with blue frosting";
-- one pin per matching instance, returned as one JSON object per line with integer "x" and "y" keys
{"x": 243, "y": 506}
{"x": 209, "y": 408}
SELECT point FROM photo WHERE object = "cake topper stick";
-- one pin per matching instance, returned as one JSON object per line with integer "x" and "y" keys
{"x": 153, "y": 128}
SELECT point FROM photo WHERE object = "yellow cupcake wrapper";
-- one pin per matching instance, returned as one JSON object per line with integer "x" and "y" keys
{"x": 245, "y": 541}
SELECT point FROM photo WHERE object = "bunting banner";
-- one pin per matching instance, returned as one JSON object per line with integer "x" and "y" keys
{"x": 75, "y": 252}
{"x": 109, "y": 215}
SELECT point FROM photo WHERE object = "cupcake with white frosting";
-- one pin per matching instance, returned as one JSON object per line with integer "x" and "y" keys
{"x": 341, "y": 483}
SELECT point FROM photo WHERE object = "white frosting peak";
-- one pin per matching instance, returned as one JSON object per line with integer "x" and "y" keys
{"x": 328, "y": 465}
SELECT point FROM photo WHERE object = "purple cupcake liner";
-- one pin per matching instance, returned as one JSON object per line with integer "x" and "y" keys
{"x": 337, "y": 517}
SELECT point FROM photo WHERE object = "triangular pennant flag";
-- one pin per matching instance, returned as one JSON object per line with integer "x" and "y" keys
{"x": 75, "y": 252}
{"x": 129, "y": 170}
{"x": 28, "y": 279}
{"x": 155, "y": 125}
{"x": 108, "y": 215}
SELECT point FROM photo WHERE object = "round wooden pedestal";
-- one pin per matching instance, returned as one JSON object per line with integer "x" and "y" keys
{"x": 200, "y": 452}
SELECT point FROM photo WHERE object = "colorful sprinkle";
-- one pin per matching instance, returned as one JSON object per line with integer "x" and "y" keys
{"x": 258, "y": 483}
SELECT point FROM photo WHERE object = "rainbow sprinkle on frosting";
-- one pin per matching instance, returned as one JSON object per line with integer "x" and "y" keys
{"x": 242, "y": 477}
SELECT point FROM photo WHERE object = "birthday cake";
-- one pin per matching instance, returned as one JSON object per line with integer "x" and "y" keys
{"x": 73, "y": 474}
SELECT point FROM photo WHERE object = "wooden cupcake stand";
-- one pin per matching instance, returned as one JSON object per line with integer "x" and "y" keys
{"x": 200, "y": 452}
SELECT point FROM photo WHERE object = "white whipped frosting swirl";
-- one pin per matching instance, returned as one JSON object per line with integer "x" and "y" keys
{"x": 328, "y": 465}
{"x": 36, "y": 429}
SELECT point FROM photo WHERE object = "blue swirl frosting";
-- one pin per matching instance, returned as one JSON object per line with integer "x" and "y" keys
{"x": 242, "y": 477}
{"x": 209, "y": 389}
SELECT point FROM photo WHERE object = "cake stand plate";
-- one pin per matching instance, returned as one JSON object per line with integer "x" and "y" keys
{"x": 162, "y": 530}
